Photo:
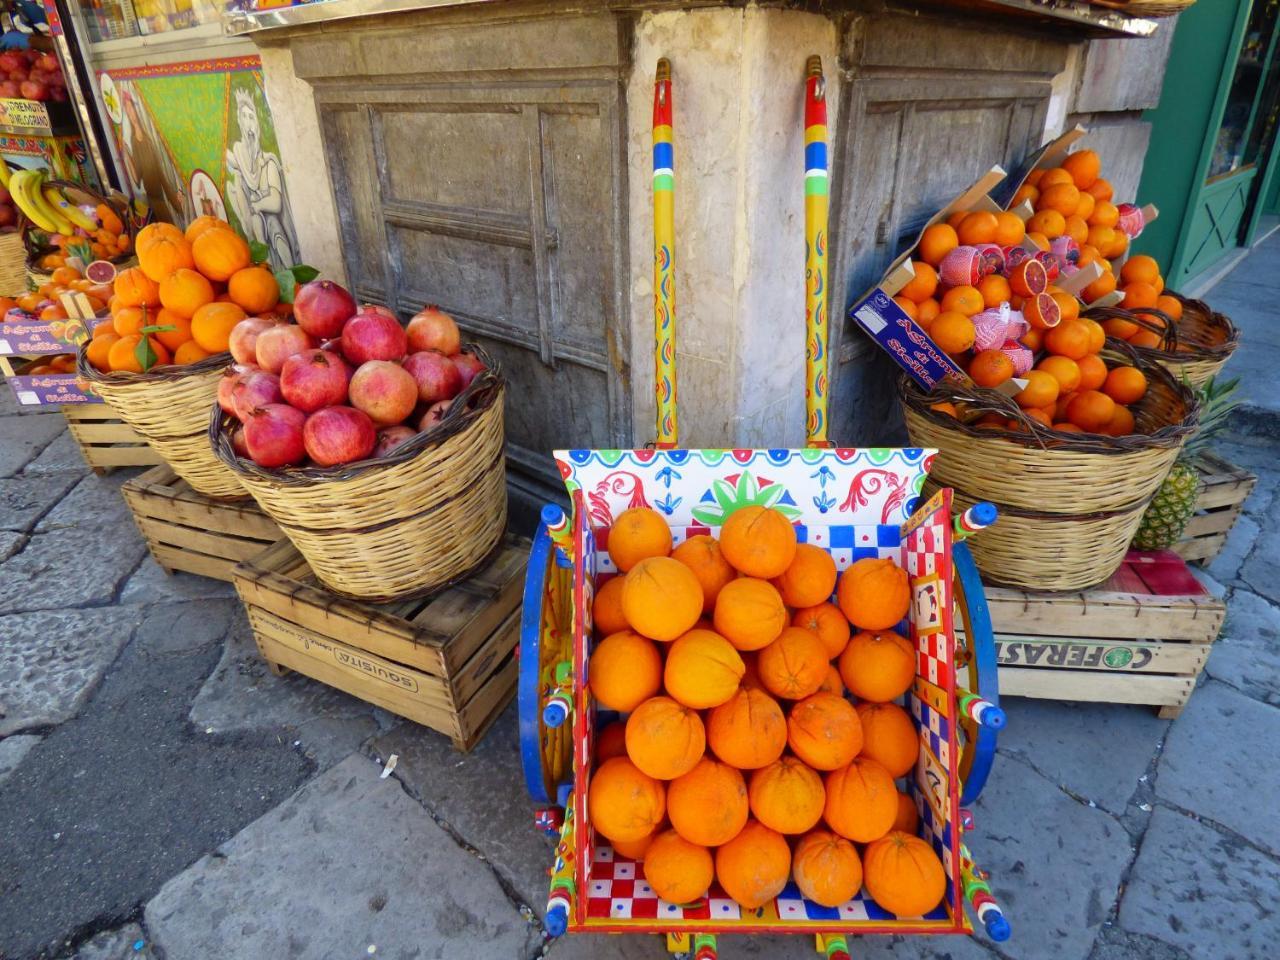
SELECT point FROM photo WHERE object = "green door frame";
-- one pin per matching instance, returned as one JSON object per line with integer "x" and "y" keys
{"x": 1266, "y": 161}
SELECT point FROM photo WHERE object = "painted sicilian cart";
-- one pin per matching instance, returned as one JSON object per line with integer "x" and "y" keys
{"x": 853, "y": 503}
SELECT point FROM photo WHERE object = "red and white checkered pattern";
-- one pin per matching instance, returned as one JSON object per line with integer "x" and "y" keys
{"x": 617, "y": 890}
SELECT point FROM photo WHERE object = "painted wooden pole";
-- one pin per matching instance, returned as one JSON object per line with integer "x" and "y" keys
{"x": 980, "y": 711}
{"x": 816, "y": 184}
{"x": 664, "y": 256}
{"x": 978, "y": 894}
{"x": 559, "y": 703}
{"x": 557, "y": 524}
{"x": 978, "y": 517}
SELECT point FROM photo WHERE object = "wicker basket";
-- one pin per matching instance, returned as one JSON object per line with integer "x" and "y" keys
{"x": 1146, "y": 8}
{"x": 427, "y": 515}
{"x": 78, "y": 194}
{"x": 1193, "y": 349}
{"x": 169, "y": 406}
{"x": 13, "y": 276}
{"x": 1073, "y": 501}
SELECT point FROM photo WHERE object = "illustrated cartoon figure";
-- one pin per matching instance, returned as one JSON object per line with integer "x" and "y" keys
{"x": 150, "y": 170}
{"x": 255, "y": 186}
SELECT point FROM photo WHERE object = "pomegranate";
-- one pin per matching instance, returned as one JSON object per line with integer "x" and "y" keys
{"x": 433, "y": 329}
{"x": 48, "y": 63}
{"x": 255, "y": 390}
{"x": 373, "y": 336}
{"x": 273, "y": 435}
{"x": 385, "y": 391}
{"x": 10, "y": 90}
{"x": 377, "y": 308}
{"x": 468, "y": 365}
{"x": 230, "y": 377}
{"x": 337, "y": 435}
{"x": 391, "y": 437}
{"x": 437, "y": 377}
{"x": 315, "y": 379}
{"x": 277, "y": 344}
{"x": 238, "y": 443}
{"x": 34, "y": 90}
{"x": 12, "y": 60}
{"x": 435, "y": 413}
{"x": 321, "y": 307}
{"x": 244, "y": 338}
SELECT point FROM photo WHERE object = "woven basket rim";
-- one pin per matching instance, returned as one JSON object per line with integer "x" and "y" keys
{"x": 1004, "y": 508}
{"x": 1169, "y": 332}
{"x": 1045, "y": 438}
{"x": 166, "y": 372}
{"x": 480, "y": 395}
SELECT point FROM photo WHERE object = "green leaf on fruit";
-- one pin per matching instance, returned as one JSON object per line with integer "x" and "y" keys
{"x": 146, "y": 356}
{"x": 287, "y": 284}
{"x": 167, "y": 328}
{"x": 304, "y": 273}
{"x": 258, "y": 252}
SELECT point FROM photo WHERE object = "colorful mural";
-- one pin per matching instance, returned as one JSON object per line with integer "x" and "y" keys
{"x": 198, "y": 138}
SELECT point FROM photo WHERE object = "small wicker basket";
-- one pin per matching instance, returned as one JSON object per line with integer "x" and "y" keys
{"x": 13, "y": 276}
{"x": 1146, "y": 8}
{"x": 169, "y": 406}
{"x": 427, "y": 515}
{"x": 77, "y": 193}
{"x": 1072, "y": 501}
{"x": 1194, "y": 349}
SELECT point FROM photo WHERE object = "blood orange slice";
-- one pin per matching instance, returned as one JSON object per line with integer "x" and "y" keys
{"x": 1042, "y": 311}
{"x": 100, "y": 271}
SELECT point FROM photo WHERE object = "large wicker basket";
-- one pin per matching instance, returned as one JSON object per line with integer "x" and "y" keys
{"x": 1146, "y": 8}
{"x": 1070, "y": 503}
{"x": 1194, "y": 349}
{"x": 169, "y": 406}
{"x": 13, "y": 275}
{"x": 427, "y": 515}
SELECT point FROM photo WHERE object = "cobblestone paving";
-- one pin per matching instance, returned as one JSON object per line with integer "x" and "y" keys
{"x": 163, "y": 795}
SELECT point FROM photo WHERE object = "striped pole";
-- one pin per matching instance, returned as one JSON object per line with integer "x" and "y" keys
{"x": 563, "y": 885}
{"x": 704, "y": 946}
{"x": 978, "y": 893}
{"x": 833, "y": 946}
{"x": 980, "y": 711}
{"x": 664, "y": 256}
{"x": 816, "y": 182}
{"x": 557, "y": 524}
{"x": 560, "y": 700}
{"x": 978, "y": 517}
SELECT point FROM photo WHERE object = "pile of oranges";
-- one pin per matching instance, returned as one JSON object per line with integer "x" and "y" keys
{"x": 108, "y": 242}
{"x": 43, "y": 302}
{"x": 741, "y": 760}
{"x": 1074, "y": 201}
{"x": 194, "y": 286}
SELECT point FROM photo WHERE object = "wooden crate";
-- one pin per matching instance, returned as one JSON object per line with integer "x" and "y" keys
{"x": 1141, "y": 637}
{"x": 186, "y": 530}
{"x": 1224, "y": 488}
{"x": 106, "y": 441}
{"x": 447, "y": 662}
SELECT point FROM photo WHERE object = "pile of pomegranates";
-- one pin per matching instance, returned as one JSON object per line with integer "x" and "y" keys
{"x": 342, "y": 383}
{"x": 31, "y": 75}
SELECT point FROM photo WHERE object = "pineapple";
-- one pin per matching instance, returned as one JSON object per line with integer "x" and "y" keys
{"x": 1175, "y": 502}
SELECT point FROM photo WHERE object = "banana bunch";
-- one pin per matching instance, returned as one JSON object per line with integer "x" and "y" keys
{"x": 44, "y": 205}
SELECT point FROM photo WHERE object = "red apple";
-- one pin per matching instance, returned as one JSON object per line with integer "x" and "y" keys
{"x": 373, "y": 336}
{"x": 244, "y": 338}
{"x": 468, "y": 365}
{"x": 391, "y": 437}
{"x": 337, "y": 435}
{"x": 315, "y": 379}
{"x": 277, "y": 344}
{"x": 437, "y": 377}
{"x": 253, "y": 390}
{"x": 433, "y": 329}
{"x": 321, "y": 307}
{"x": 435, "y": 413}
{"x": 273, "y": 435}
{"x": 385, "y": 391}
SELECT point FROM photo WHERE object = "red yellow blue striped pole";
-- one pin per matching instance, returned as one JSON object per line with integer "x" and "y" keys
{"x": 816, "y": 181}
{"x": 664, "y": 254}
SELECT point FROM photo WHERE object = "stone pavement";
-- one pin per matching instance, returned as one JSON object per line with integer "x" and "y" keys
{"x": 163, "y": 795}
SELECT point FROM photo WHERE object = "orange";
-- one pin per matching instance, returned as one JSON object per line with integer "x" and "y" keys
{"x": 1119, "y": 244}
{"x": 181, "y": 332}
{"x": 874, "y": 593}
{"x": 1063, "y": 197}
{"x": 889, "y": 737}
{"x": 708, "y": 805}
{"x": 1171, "y": 306}
{"x": 606, "y": 609}
{"x": 133, "y": 288}
{"x": 832, "y": 684}
{"x": 163, "y": 256}
{"x": 1035, "y": 176}
{"x": 952, "y": 331}
{"x": 1100, "y": 189}
{"x": 1069, "y": 340}
{"x": 878, "y": 666}
{"x": 1064, "y": 399}
{"x": 626, "y": 804}
{"x": 908, "y": 307}
{"x": 963, "y": 299}
{"x": 824, "y": 731}
{"x": 1102, "y": 237}
{"x": 995, "y": 290}
{"x": 1146, "y": 338}
{"x": 921, "y": 286}
{"x": 637, "y": 534}
{"x": 978, "y": 227}
{"x": 1041, "y": 390}
{"x": 825, "y": 620}
{"x": 1053, "y": 177}
{"x": 1084, "y": 167}
{"x": 1140, "y": 268}
{"x": 1121, "y": 423}
{"x": 212, "y": 324}
{"x": 1097, "y": 335}
{"x": 1009, "y": 229}
{"x": 786, "y": 796}
{"x": 254, "y": 288}
{"x": 826, "y": 868}
{"x": 665, "y": 739}
{"x": 793, "y": 666}
{"x": 1067, "y": 428}
{"x": 1093, "y": 372}
{"x": 1033, "y": 340}
{"x": 1026, "y": 193}
{"x": 1125, "y": 385}
{"x": 754, "y": 866}
{"x": 130, "y": 320}
{"x": 1036, "y": 414}
{"x": 1087, "y": 204}
{"x": 990, "y": 368}
{"x": 625, "y": 670}
{"x": 202, "y": 223}
{"x": 220, "y": 253}
{"x": 100, "y": 347}
{"x": 862, "y": 801}
{"x": 661, "y": 598}
{"x": 903, "y": 875}
{"x": 1138, "y": 296}
{"x": 748, "y": 730}
{"x": 1105, "y": 214}
{"x": 1062, "y": 369}
{"x": 190, "y": 352}
{"x": 926, "y": 312}
{"x": 1091, "y": 410}
{"x": 758, "y": 541}
{"x": 1041, "y": 311}
{"x": 936, "y": 242}
{"x": 703, "y": 556}
{"x": 1075, "y": 228}
{"x": 956, "y": 219}
{"x": 908, "y": 816}
{"x": 750, "y": 613}
{"x": 703, "y": 669}
{"x": 677, "y": 870}
{"x": 1049, "y": 223}
{"x": 945, "y": 407}
{"x": 810, "y": 579}
{"x": 122, "y": 357}
{"x": 185, "y": 291}
{"x": 1095, "y": 291}
{"x": 154, "y": 232}
{"x": 1068, "y": 306}
{"x": 611, "y": 742}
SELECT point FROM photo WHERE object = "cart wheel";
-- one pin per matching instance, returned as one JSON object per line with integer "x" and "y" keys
{"x": 546, "y": 636}
{"x": 979, "y": 750}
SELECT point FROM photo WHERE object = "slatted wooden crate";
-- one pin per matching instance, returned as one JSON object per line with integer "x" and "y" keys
{"x": 1224, "y": 488}
{"x": 106, "y": 441}
{"x": 186, "y": 530}
{"x": 447, "y": 662}
{"x": 1141, "y": 637}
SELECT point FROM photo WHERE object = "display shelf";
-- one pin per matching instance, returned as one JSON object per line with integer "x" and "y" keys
{"x": 1079, "y": 18}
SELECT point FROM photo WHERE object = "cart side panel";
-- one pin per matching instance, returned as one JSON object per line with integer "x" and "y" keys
{"x": 584, "y": 717}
